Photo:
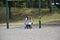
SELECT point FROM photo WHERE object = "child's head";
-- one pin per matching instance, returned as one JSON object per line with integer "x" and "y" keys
{"x": 28, "y": 17}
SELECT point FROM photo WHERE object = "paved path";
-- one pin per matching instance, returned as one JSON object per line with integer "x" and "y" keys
{"x": 47, "y": 32}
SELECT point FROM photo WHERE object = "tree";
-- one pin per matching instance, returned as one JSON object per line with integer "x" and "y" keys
{"x": 9, "y": 4}
{"x": 49, "y": 5}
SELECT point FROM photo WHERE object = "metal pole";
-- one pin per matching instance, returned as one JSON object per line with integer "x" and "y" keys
{"x": 7, "y": 14}
{"x": 39, "y": 13}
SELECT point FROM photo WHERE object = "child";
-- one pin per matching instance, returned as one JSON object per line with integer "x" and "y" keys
{"x": 28, "y": 22}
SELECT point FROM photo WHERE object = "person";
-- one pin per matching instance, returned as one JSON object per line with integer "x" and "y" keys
{"x": 28, "y": 22}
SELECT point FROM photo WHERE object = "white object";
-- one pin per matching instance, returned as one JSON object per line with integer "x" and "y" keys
{"x": 28, "y": 23}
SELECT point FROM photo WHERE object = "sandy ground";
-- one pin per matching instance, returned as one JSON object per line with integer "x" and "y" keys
{"x": 46, "y": 32}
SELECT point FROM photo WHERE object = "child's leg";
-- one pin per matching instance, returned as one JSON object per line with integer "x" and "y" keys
{"x": 30, "y": 26}
{"x": 26, "y": 27}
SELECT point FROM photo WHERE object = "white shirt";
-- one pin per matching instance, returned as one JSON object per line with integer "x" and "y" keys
{"x": 28, "y": 22}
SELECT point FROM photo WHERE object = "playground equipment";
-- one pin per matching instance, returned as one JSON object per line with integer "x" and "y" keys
{"x": 39, "y": 14}
{"x": 7, "y": 14}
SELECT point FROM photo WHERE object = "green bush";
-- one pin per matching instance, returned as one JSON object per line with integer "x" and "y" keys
{"x": 0, "y": 4}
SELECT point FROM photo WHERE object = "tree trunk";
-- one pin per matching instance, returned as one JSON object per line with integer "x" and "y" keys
{"x": 10, "y": 10}
{"x": 49, "y": 5}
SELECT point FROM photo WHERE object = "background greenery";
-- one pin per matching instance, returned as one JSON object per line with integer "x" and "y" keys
{"x": 19, "y": 9}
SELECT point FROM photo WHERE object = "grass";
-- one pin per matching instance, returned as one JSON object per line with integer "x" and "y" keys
{"x": 50, "y": 18}
{"x": 18, "y": 15}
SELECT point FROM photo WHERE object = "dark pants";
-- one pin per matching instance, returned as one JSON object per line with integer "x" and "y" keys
{"x": 28, "y": 26}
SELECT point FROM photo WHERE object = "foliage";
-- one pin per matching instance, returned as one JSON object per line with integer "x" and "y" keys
{"x": 1, "y": 3}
